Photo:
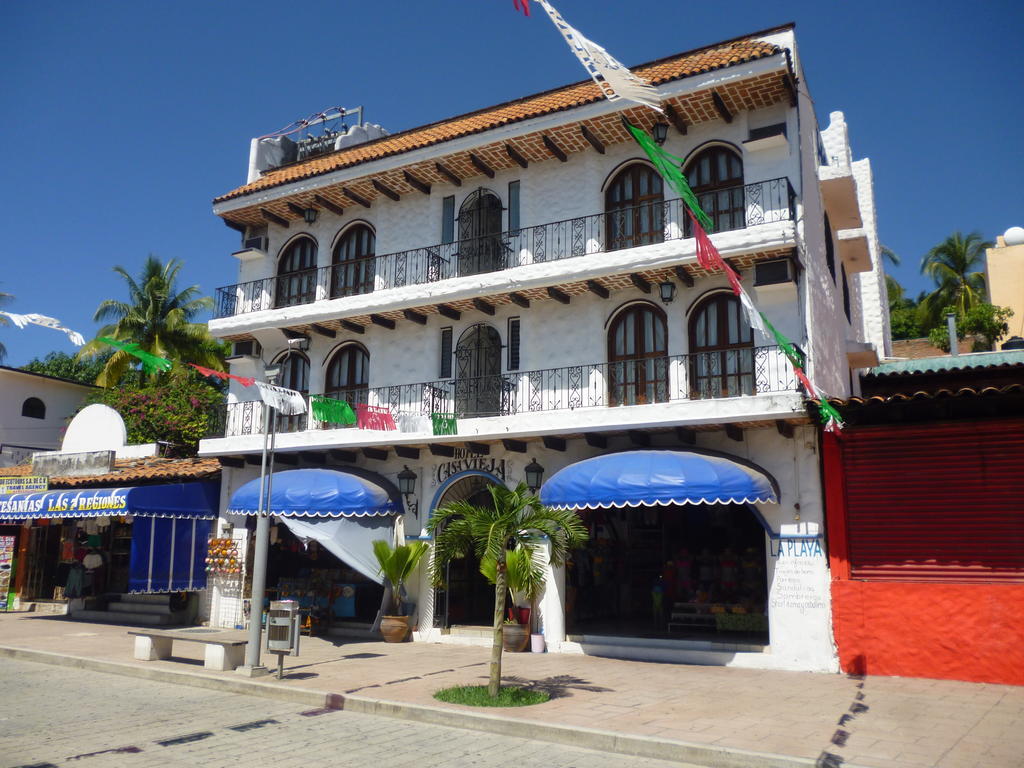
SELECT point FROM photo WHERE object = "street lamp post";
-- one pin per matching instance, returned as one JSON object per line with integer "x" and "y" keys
{"x": 259, "y": 566}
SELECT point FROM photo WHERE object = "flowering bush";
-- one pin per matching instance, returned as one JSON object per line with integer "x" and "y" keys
{"x": 178, "y": 410}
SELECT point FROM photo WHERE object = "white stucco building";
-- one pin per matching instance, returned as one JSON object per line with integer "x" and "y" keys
{"x": 34, "y": 410}
{"x": 524, "y": 269}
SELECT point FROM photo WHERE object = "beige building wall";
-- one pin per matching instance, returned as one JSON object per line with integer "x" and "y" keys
{"x": 1005, "y": 267}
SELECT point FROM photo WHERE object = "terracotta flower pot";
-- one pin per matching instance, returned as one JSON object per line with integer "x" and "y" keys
{"x": 394, "y": 629}
{"x": 515, "y": 637}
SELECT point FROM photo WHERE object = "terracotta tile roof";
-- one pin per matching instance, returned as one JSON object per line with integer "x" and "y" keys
{"x": 937, "y": 394}
{"x": 133, "y": 472}
{"x": 657, "y": 72}
{"x": 916, "y": 348}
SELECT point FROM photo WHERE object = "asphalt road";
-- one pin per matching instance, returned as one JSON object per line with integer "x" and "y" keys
{"x": 57, "y": 716}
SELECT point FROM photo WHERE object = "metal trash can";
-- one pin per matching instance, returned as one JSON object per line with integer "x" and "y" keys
{"x": 283, "y": 624}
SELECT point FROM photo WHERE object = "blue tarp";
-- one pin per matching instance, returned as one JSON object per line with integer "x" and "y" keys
{"x": 168, "y": 554}
{"x": 198, "y": 500}
{"x": 315, "y": 493}
{"x": 641, "y": 478}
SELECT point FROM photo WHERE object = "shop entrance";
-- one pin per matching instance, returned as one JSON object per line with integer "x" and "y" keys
{"x": 329, "y": 592}
{"x": 673, "y": 572}
{"x": 468, "y": 598}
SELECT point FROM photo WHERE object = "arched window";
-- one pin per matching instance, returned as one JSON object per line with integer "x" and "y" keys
{"x": 353, "y": 261}
{"x": 33, "y": 408}
{"x": 296, "y": 274}
{"x": 348, "y": 376}
{"x": 479, "y": 387}
{"x": 716, "y": 177}
{"x": 480, "y": 245}
{"x": 634, "y": 208}
{"x": 830, "y": 249}
{"x": 638, "y": 356}
{"x": 721, "y": 349}
{"x": 294, "y": 375}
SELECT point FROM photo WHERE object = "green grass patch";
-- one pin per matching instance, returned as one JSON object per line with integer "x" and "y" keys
{"x": 477, "y": 696}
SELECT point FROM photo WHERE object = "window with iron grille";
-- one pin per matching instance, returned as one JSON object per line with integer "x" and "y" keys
{"x": 513, "y": 343}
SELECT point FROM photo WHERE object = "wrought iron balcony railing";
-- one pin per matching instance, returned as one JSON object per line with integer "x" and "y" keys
{"x": 733, "y": 208}
{"x": 697, "y": 376}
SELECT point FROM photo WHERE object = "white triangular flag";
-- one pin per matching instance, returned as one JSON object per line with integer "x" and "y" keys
{"x": 614, "y": 80}
{"x": 754, "y": 317}
{"x": 47, "y": 322}
{"x": 286, "y": 401}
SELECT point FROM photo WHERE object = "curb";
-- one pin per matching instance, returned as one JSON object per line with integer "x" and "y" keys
{"x": 586, "y": 738}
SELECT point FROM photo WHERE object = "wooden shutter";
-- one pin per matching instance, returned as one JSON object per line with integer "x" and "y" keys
{"x": 513, "y": 206}
{"x": 939, "y": 502}
{"x": 446, "y": 353}
{"x": 448, "y": 219}
{"x": 513, "y": 344}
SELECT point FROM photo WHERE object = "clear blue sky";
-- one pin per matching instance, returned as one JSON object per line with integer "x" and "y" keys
{"x": 124, "y": 119}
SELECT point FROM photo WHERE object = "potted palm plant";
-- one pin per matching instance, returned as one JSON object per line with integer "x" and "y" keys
{"x": 515, "y": 519}
{"x": 524, "y": 577}
{"x": 396, "y": 563}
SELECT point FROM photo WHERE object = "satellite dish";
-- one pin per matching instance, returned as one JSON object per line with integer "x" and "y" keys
{"x": 1014, "y": 236}
{"x": 95, "y": 428}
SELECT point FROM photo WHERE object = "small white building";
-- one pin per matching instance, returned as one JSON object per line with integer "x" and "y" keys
{"x": 524, "y": 270}
{"x": 34, "y": 410}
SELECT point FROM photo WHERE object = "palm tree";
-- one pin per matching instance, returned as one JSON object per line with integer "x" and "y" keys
{"x": 4, "y": 298}
{"x": 956, "y": 266}
{"x": 159, "y": 318}
{"x": 515, "y": 520}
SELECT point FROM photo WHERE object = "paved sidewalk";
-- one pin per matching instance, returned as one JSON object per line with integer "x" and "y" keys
{"x": 715, "y": 716}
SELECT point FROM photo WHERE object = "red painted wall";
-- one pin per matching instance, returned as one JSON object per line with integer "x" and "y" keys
{"x": 972, "y": 632}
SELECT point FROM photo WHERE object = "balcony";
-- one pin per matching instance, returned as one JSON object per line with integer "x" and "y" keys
{"x": 693, "y": 377}
{"x": 741, "y": 207}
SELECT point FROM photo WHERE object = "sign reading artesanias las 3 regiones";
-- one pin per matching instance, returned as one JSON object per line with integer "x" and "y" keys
{"x": 94, "y": 500}
{"x": 24, "y": 484}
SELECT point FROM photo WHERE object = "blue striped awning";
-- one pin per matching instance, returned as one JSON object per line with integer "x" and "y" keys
{"x": 199, "y": 500}
{"x": 662, "y": 478}
{"x": 315, "y": 493}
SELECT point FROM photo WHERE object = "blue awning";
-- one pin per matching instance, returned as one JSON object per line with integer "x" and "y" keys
{"x": 198, "y": 500}
{"x": 315, "y": 493}
{"x": 641, "y": 478}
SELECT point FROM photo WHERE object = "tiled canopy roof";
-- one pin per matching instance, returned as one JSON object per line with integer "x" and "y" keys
{"x": 657, "y": 72}
{"x": 133, "y": 472}
{"x": 938, "y": 394}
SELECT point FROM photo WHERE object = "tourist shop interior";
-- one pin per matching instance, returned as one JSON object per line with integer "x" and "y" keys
{"x": 672, "y": 572}
{"x": 330, "y": 593}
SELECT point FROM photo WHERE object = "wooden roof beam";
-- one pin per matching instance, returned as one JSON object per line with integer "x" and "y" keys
{"x": 450, "y": 312}
{"x": 720, "y": 107}
{"x": 640, "y": 282}
{"x": 592, "y": 139}
{"x": 597, "y": 289}
{"x": 675, "y": 118}
{"x": 273, "y": 218}
{"x": 383, "y": 322}
{"x": 513, "y": 153}
{"x": 448, "y": 174}
{"x": 414, "y": 316}
{"x": 557, "y": 295}
{"x": 348, "y": 325}
{"x": 357, "y": 198}
{"x": 518, "y": 298}
{"x": 554, "y": 149}
{"x": 483, "y": 306}
{"x": 327, "y": 205}
{"x": 415, "y": 183}
{"x": 385, "y": 190}
{"x": 684, "y": 277}
{"x": 481, "y": 166}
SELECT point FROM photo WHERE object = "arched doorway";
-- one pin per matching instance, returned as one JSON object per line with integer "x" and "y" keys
{"x": 634, "y": 208}
{"x": 721, "y": 349}
{"x": 296, "y": 273}
{"x": 348, "y": 376}
{"x": 353, "y": 262}
{"x": 716, "y": 176}
{"x": 478, "y": 383}
{"x": 467, "y": 598}
{"x": 294, "y": 375}
{"x": 480, "y": 245}
{"x": 638, "y": 356}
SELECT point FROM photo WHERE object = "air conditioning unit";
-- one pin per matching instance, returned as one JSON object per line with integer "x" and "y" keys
{"x": 247, "y": 348}
{"x": 258, "y": 243}
{"x": 774, "y": 272}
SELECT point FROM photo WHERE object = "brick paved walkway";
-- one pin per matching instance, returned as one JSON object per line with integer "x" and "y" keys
{"x": 830, "y": 720}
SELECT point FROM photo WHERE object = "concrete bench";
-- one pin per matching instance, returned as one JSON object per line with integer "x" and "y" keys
{"x": 223, "y": 650}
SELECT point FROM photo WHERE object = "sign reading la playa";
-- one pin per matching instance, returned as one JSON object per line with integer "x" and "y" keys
{"x": 464, "y": 460}
{"x": 111, "y": 500}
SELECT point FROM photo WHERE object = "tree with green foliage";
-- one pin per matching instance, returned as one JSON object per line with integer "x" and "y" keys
{"x": 515, "y": 519}
{"x": 956, "y": 265}
{"x": 4, "y": 298}
{"x": 987, "y": 323}
{"x": 159, "y": 318}
{"x": 178, "y": 409}
{"x": 70, "y": 367}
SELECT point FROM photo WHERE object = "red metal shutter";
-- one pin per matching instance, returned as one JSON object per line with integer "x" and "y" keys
{"x": 938, "y": 502}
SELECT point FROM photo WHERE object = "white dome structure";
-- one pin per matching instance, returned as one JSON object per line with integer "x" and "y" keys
{"x": 1014, "y": 236}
